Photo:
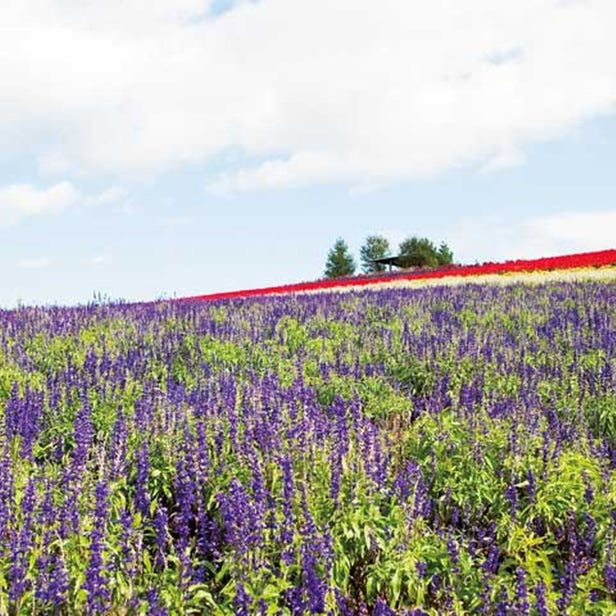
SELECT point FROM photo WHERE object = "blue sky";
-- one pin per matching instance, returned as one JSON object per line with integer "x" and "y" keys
{"x": 192, "y": 146}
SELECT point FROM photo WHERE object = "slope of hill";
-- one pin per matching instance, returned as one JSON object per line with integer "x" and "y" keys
{"x": 394, "y": 452}
{"x": 577, "y": 266}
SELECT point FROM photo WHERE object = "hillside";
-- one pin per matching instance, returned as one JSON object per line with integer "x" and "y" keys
{"x": 577, "y": 265}
{"x": 445, "y": 450}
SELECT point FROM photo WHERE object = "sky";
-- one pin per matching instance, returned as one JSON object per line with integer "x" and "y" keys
{"x": 154, "y": 149}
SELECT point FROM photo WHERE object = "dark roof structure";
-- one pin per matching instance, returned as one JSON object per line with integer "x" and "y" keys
{"x": 398, "y": 261}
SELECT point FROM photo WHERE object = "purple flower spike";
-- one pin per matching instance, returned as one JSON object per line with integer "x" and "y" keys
{"x": 97, "y": 584}
{"x": 540, "y": 600}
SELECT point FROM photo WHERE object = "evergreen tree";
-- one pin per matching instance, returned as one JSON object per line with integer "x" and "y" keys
{"x": 375, "y": 247}
{"x": 444, "y": 255}
{"x": 340, "y": 262}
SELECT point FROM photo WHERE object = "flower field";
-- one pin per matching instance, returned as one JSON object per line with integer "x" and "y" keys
{"x": 581, "y": 263}
{"x": 447, "y": 450}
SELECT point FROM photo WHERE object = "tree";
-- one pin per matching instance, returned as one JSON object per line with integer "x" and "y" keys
{"x": 418, "y": 252}
{"x": 445, "y": 256}
{"x": 340, "y": 262}
{"x": 375, "y": 247}
{"x": 421, "y": 252}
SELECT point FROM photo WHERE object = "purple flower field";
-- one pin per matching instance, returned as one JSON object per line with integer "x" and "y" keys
{"x": 435, "y": 451}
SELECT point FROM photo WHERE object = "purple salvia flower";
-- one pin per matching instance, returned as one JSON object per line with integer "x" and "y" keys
{"x": 118, "y": 449}
{"x": 242, "y": 602}
{"x": 343, "y": 604}
{"x": 142, "y": 497}
{"x": 588, "y": 490}
{"x": 486, "y": 603}
{"x": 294, "y": 598}
{"x": 259, "y": 490}
{"x": 540, "y": 600}
{"x": 97, "y": 583}
{"x": 42, "y": 567}
{"x": 129, "y": 545}
{"x": 503, "y": 605}
{"x": 335, "y": 462}
{"x": 454, "y": 554}
{"x": 567, "y": 584}
{"x": 609, "y": 576}
{"x": 455, "y": 516}
{"x": 532, "y": 486}
{"x": 203, "y": 456}
{"x": 239, "y": 517}
{"x": 69, "y": 511}
{"x": 58, "y": 582}
{"x": 422, "y": 506}
{"x": 21, "y": 545}
{"x": 83, "y": 435}
{"x": 154, "y": 606}
{"x": 288, "y": 525}
{"x": 207, "y": 540}
{"x": 314, "y": 586}
{"x": 6, "y": 497}
{"x": 52, "y": 579}
{"x": 382, "y": 609}
{"x": 421, "y": 569}
{"x": 512, "y": 498}
{"x": 160, "y": 524}
{"x": 186, "y": 490}
{"x": 47, "y": 512}
{"x": 590, "y": 534}
{"x": 522, "y": 605}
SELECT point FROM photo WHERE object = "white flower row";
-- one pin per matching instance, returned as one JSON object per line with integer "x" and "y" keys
{"x": 535, "y": 277}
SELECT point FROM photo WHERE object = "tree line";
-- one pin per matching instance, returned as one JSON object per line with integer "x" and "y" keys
{"x": 413, "y": 252}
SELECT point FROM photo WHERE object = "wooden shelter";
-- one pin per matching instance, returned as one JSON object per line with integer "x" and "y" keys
{"x": 397, "y": 261}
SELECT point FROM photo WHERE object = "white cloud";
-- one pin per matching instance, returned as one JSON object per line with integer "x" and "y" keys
{"x": 578, "y": 231}
{"x": 35, "y": 262}
{"x": 168, "y": 222}
{"x": 540, "y": 236}
{"x": 364, "y": 189}
{"x": 506, "y": 158}
{"x": 20, "y": 201}
{"x": 99, "y": 259}
{"x": 111, "y": 195}
{"x": 352, "y": 91}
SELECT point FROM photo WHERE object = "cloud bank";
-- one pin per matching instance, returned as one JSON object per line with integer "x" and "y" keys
{"x": 21, "y": 201}
{"x": 35, "y": 262}
{"x": 306, "y": 91}
{"x": 533, "y": 237}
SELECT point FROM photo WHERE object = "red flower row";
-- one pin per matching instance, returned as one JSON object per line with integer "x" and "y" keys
{"x": 587, "y": 259}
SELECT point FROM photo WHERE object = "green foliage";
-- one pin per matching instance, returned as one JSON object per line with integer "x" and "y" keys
{"x": 444, "y": 255}
{"x": 412, "y": 375}
{"x": 600, "y": 413}
{"x": 452, "y": 424}
{"x": 339, "y": 262}
{"x": 421, "y": 252}
{"x": 375, "y": 247}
